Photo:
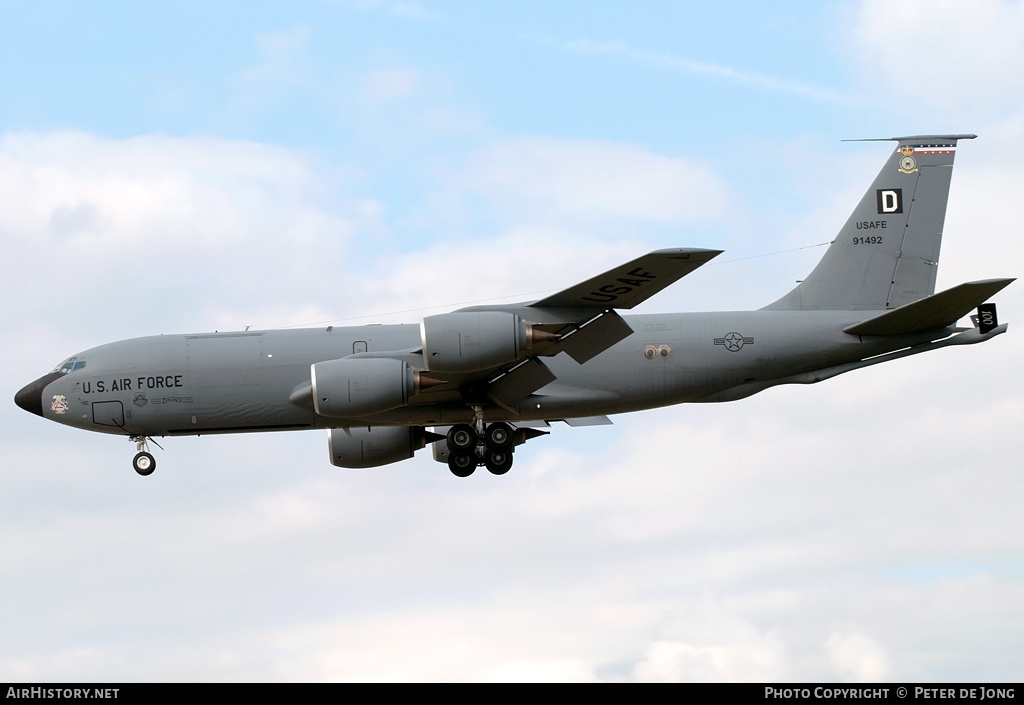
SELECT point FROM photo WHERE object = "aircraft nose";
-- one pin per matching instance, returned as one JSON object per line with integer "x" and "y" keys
{"x": 30, "y": 398}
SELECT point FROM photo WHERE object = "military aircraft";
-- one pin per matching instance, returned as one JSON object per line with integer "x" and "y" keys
{"x": 477, "y": 382}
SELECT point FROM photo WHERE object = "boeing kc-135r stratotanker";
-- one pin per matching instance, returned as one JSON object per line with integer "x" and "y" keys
{"x": 477, "y": 382}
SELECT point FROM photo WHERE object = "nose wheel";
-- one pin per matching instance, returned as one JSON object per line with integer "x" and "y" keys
{"x": 143, "y": 462}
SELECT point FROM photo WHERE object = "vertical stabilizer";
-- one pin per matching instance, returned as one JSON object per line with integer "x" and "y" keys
{"x": 887, "y": 254}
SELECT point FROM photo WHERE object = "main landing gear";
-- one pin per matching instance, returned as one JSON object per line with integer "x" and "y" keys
{"x": 143, "y": 462}
{"x": 474, "y": 445}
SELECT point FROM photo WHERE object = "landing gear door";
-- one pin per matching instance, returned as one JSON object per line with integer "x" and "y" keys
{"x": 108, "y": 413}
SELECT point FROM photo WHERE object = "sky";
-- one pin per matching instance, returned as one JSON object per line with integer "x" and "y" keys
{"x": 187, "y": 167}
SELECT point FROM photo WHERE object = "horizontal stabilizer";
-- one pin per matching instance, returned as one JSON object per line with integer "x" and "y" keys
{"x": 629, "y": 284}
{"x": 935, "y": 311}
{"x": 916, "y": 138}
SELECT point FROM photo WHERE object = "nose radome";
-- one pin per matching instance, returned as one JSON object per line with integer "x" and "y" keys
{"x": 30, "y": 398}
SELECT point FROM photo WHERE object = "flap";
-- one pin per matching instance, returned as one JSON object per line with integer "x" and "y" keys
{"x": 588, "y": 421}
{"x": 594, "y": 337}
{"x": 518, "y": 383}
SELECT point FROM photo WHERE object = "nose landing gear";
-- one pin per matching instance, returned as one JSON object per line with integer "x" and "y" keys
{"x": 143, "y": 462}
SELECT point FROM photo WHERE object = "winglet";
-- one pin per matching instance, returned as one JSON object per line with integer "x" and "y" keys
{"x": 631, "y": 283}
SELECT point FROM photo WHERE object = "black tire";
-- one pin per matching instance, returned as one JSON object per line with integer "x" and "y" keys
{"x": 461, "y": 439}
{"x": 498, "y": 463}
{"x": 144, "y": 463}
{"x": 499, "y": 437}
{"x": 461, "y": 464}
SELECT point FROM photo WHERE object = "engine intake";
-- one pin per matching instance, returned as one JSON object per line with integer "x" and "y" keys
{"x": 354, "y": 387}
{"x": 374, "y": 446}
{"x": 470, "y": 341}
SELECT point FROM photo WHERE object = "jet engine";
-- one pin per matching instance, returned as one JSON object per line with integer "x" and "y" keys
{"x": 353, "y": 387}
{"x": 377, "y": 445}
{"x": 470, "y": 341}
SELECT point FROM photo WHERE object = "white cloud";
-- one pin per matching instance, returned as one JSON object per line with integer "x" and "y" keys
{"x": 173, "y": 218}
{"x": 280, "y": 63}
{"x": 390, "y": 84}
{"x": 592, "y": 180}
{"x": 412, "y": 11}
{"x": 707, "y": 644}
{"x": 857, "y": 657}
{"x": 961, "y": 57}
{"x": 505, "y": 268}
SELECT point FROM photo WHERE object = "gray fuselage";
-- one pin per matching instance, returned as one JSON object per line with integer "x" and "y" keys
{"x": 254, "y": 381}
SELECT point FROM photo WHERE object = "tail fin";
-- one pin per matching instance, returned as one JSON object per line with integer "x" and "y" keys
{"x": 887, "y": 254}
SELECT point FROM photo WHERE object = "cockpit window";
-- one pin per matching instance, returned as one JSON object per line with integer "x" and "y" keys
{"x": 72, "y": 364}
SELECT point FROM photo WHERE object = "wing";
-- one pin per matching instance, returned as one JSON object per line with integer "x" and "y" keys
{"x": 631, "y": 283}
{"x": 494, "y": 354}
{"x": 581, "y": 321}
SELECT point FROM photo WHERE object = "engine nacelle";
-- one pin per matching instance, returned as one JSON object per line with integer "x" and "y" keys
{"x": 353, "y": 387}
{"x": 469, "y": 341}
{"x": 369, "y": 447}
